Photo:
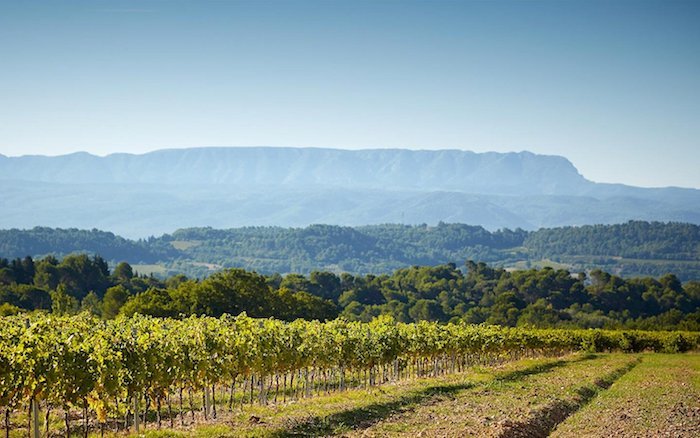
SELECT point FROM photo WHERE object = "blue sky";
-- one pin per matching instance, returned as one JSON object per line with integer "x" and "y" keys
{"x": 612, "y": 85}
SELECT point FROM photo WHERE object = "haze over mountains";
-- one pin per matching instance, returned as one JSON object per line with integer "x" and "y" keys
{"x": 157, "y": 192}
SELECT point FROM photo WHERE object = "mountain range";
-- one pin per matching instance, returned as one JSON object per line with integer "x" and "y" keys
{"x": 152, "y": 193}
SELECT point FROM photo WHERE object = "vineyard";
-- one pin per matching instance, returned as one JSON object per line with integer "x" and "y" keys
{"x": 141, "y": 372}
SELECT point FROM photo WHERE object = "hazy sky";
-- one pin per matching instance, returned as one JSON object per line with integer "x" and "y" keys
{"x": 612, "y": 85}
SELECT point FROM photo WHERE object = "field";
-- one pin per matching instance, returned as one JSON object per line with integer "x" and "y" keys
{"x": 581, "y": 394}
{"x": 596, "y": 395}
{"x": 660, "y": 397}
{"x": 152, "y": 269}
{"x": 241, "y": 376}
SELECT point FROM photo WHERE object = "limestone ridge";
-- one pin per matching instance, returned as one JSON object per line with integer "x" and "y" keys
{"x": 400, "y": 169}
{"x": 157, "y": 192}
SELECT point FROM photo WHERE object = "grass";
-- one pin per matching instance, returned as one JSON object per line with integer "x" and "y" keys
{"x": 584, "y": 394}
{"x": 184, "y": 245}
{"x": 342, "y": 412}
{"x": 359, "y": 410}
{"x": 507, "y": 404}
{"x": 660, "y": 397}
{"x": 149, "y": 269}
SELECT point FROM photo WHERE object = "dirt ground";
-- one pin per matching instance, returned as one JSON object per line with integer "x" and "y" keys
{"x": 659, "y": 398}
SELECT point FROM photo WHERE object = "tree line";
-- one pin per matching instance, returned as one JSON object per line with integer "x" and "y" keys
{"x": 474, "y": 293}
{"x": 632, "y": 240}
{"x": 635, "y": 248}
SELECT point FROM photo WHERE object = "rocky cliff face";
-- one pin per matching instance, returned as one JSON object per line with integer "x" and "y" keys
{"x": 149, "y": 194}
{"x": 450, "y": 170}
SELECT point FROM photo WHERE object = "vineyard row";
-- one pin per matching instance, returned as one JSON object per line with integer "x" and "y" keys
{"x": 120, "y": 373}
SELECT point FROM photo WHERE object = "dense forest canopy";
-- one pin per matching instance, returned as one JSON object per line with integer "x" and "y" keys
{"x": 633, "y": 240}
{"x": 475, "y": 293}
{"x": 40, "y": 241}
{"x": 635, "y": 248}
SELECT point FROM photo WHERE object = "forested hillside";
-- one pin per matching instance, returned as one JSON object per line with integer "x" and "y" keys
{"x": 40, "y": 241}
{"x": 629, "y": 249}
{"x": 633, "y": 248}
{"x": 370, "y": 249}
{"x": 636, "y": 240}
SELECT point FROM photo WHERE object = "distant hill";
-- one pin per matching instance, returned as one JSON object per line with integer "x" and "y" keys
{"x": 395, "y": 169}
{"x": 151, "y": 194}
{"x": 629, "y": 249}
{"x": 42, "y": 241}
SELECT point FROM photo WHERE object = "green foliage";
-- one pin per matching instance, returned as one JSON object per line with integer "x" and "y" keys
{"x": 114, "y": 299}
{"x": 41, "y": 241}
{"x": 80, "y": 361}
{"x": 91, "y": 304}
{"x": 62, "y": 303}
{"x": 534, "y": 297}
{"x": 7, "y": 309}
{"x": 123, "y": 272}
{"x": 634, "y": 240}
{"x": 426, "y": 310}
{"x": 26, "y": 296}
{"x": 230, "y": 292}
{"x": 635, "y": 248}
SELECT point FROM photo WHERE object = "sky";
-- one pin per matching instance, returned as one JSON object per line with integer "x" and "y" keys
{"x": 614, "y": 86}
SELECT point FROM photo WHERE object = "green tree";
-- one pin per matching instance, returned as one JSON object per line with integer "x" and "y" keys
{"x": 62, "y": 303}
{"x": 154, "y": 302}
{"x": 234, "y": 291}
{"x": 123, "y": 273}
{"x": 92, "y": 304}
{"x": 326, "y": 285}
{"x": 47, "y": 275}
{"x": 114, "y": 299}
{"x": 540, "y": 314}
{"x": 426, "y": 310}
{"x": 506, "y": 309}
{"x": 296, "y": 283}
